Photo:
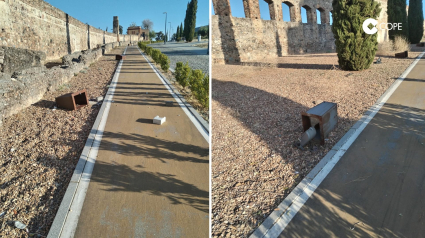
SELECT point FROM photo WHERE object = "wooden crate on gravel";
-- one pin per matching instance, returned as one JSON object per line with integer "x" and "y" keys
{"x": 404, "y": 54}
{"x": 73, "y": 101}
{"x": 119, "y": 57}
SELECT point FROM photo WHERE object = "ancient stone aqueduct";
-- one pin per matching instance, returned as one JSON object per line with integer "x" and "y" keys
{"x": 252, "y": 39}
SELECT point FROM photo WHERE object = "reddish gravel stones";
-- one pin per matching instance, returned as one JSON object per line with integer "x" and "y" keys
{"x": 39, "y": 148}
{"x": 256, "y": 113}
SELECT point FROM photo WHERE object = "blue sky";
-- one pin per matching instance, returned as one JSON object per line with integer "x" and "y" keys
{"x": 237, "y": 10}
{"x": 99, "y": 13}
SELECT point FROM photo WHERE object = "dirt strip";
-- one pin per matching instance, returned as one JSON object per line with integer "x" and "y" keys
{"x": 40, "y": 147}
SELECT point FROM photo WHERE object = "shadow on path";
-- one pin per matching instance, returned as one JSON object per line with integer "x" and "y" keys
{"x": 122, "y": 178}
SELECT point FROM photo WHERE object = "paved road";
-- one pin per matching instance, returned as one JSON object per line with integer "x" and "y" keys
{"x": 148, "y": 180}
{"x": 377, "y": 189}
{"x": 195, "y": 56}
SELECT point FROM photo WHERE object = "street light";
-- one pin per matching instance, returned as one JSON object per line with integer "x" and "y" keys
{"x": 165, "y": 35}
{"x": 169, "y": 32}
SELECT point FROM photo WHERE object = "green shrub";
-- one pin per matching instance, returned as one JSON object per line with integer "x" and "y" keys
{"x": 182, "y": 73}
{"x": 195, "y": 79}
{"x": 203, "y": 92}
{"x": 142, "y": 45}
{"x": 155, "y": 55}
{"x": 356, "y": 49}
{"x": 148, "y": 50}
{"x": 199, "y": 84}
{"x": 164, "y": 61}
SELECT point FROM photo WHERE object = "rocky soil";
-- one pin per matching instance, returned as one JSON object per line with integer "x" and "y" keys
{"x": 256, "y": 111}
{"x": 39, "y": 148}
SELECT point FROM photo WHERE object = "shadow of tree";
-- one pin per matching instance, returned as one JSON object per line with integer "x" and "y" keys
{"x": 276, "y": 121}
{"x": 122, "y": 178}
{"x": 153, "y": 148}
{"x": 142, "y": 94}
{"x": 379, "y": 183}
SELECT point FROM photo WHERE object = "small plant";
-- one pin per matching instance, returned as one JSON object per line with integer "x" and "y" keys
{"x": 63, "y": 87}
{"x": 165, "y": 62}
{"x": 199, "y": 84}
{"x": 155, "y": 53}
{"x": 203, "y": 92}
{"x": 401, "y": 43}
{"x": 182, "y": 74}
{"x": 389, "y": 48}
{"x": 195, "y": 79}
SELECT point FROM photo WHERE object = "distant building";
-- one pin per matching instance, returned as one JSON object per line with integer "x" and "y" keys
{"x": 137, "y": 30}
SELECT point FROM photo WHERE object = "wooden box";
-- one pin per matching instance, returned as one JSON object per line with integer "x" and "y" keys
{"x": 73, "y": 101}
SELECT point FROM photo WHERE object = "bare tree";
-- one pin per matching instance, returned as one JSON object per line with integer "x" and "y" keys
{"x": 147, "y": 24}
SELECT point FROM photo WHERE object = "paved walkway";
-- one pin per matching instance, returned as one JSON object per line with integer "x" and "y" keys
{"x": 377, "y": 189}
{"x": 148, "y": 180}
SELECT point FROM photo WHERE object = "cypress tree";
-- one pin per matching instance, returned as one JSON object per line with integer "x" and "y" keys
{"x": 178, "y": 32}
{"x": 396, "y": 10}
{"x": 185, "y": 20}
{"x": 356, "y": 49}
{"x": 181, "y": 29}
{"x": 416, "y": 21}
{"x": 190, "y": 20}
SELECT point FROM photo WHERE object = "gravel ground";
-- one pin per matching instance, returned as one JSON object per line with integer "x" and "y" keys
{"x": 39, "y": 148}
{"x": 256, "y": 111}
{"x": 185, "y": 52}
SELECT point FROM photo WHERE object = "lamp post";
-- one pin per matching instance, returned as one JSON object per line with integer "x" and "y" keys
{"x": 165, "y": 35}
{"x": 169, "y": 32}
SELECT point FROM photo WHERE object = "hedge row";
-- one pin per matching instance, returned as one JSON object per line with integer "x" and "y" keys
{"x": 196, "y": 80}
{"x": 156, "y": 55}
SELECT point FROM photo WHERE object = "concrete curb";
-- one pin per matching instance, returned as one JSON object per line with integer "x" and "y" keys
{"x": 198, "y": 117}
{"x": 82, "y": 167}
{"x": 270, "y": 226}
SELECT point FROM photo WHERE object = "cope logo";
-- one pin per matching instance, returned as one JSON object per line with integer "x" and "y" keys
{"x": 382, "y": 26}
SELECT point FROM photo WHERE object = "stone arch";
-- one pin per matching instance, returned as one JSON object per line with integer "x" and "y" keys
{"x": 310, "y": 14}
{"x": 330, "y": 17}
{"x": 222, "y": 7}
{"x": 270, "y": 5}
{"x": 292, "y": 10}
{"x": 251, "y": 9}
{"x": 275, "y": 10}
{"x": 324, "y": 16}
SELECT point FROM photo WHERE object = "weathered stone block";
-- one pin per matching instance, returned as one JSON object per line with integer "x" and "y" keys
{"x": 15, "y": 59}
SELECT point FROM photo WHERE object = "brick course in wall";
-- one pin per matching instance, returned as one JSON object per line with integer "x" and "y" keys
{"x": 252, "y": 39}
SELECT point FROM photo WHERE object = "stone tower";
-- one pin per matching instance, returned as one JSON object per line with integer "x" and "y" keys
{"x": 116, "y": 25}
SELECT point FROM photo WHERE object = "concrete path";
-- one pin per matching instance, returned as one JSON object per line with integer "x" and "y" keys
{"x": 377, "y": 188}
{"x": 148, "y": 180}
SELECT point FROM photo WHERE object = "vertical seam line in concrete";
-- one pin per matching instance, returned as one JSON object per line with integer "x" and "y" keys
{"x": 65, "y": 225}
{"x": 277, "y": 221}
{"x": 192, "y": 118}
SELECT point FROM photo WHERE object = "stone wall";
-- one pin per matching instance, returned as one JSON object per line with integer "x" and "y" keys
{"x": 16, "y": 59}
{"x": 29, "y": 80}
{"x": 252, "y": 39}
{"x": 36, "y": 25}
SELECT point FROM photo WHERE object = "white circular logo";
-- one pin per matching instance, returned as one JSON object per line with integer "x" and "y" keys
{"x": 366, "y": 24}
